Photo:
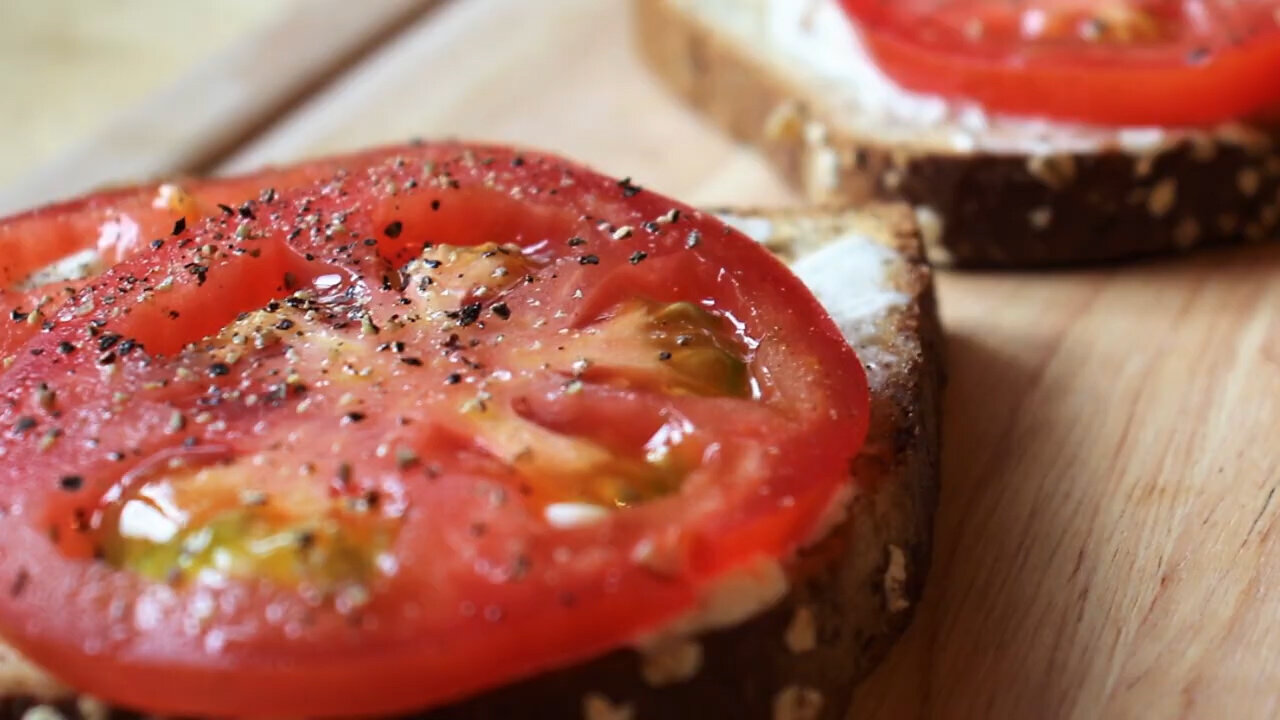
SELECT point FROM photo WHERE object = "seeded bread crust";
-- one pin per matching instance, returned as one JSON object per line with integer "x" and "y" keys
{"x": 849, "y": 596}
{"x": 978, "y": 209}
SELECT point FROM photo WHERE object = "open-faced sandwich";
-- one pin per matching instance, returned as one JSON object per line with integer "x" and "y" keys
{"x": 458, "y": 432}
{"x": 1023, "y": 133}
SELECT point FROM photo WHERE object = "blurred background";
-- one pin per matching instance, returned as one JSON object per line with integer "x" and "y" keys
{"x": 101, "y": 92}
{"x": 70, "y": 65}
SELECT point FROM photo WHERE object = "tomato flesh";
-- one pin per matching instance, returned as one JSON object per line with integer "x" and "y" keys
{"x": 1111, "y": 62}
{"x": 113, "y": 226}
{"x": 393, "y": 435}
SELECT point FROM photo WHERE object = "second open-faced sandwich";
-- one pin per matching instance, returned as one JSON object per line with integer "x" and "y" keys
{"x": 1023, "y": 133}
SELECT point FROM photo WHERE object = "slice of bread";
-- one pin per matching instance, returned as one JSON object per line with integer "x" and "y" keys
{"x": 790, "y": 77}
{"x": 848, "y": 596}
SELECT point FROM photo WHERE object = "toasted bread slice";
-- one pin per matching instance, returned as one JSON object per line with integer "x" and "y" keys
{"x": 847, "y": 597}
{"x": 790, "y": 77}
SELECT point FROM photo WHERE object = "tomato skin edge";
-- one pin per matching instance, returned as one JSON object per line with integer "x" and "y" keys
{"x": 195, "y": 680}
{"x": 1232, "y": 84}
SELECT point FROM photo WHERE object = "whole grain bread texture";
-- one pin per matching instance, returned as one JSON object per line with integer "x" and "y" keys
{"x": 849, "y": 595}
{"x": 976, "y": 208}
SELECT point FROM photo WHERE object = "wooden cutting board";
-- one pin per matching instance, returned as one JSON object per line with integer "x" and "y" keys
{"x": 1105, "y": 539}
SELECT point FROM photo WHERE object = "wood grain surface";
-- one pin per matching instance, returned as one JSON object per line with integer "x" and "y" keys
{"x": 68, "y": 65}
{"x": 1105, "y": 542}
{"x": 219, "y": 102}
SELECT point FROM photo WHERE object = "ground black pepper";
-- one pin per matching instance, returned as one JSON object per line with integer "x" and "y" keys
{"x": 629, "y": 189}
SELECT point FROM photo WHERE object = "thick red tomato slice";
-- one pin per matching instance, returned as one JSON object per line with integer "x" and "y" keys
{"x": 1116, "y": 62}
{"x": 447, "y": 418}
{"x": 83, "y": 236}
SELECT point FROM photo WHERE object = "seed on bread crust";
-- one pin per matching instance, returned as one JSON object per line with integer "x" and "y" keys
{"x": 1187, "y": 233}
{"x": 43, "y": 712}
{"x": 1041, "y": 217}
{"x": 796, "y": 702}
{"x": 802, "y": 633}
{"x": 1163, "y": 197}
{"x": 930, "y": 223}
{"x": 671, "y": 661}
{"x": 785, "y": 122}
{"x": 895, "y": 581}
{"x": 892, "y": 179}
{"x": 1248, "y": 180}
{"x": 1270, "y": 215}
{"x": 91, "y": 708}
{"x": 1203, "y": 148}
{"x": 596, "y": 706}
{"x": 823, "y": 173}
{"x": 1056, "y": 171}
{"x": 1143, "y": 165}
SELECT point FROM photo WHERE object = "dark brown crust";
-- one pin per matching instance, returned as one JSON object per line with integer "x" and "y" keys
{"x": 840, "y": 581}
{"x": 981, "y": 208}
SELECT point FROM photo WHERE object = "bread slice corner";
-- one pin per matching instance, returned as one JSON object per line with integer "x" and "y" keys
{"x": 850, "y": 595}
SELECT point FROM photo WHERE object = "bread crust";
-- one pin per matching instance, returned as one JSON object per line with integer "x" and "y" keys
{"x": 979, "y": 208}
{"x": 849, "y": 596}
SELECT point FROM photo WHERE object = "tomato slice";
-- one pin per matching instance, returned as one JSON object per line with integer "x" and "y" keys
{"x": 1112, "y": 62}
{"x": 84, "y": 236}
{"x": 444, "y": 418}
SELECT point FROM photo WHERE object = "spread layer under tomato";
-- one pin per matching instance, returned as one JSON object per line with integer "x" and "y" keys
{"x": 1111, "y": 62}
{"x": 386, "y": 430}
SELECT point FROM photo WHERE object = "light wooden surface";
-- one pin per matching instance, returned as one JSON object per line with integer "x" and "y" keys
{"x": 68, "y": 65}
{"x": 216, "y": 104}
{"x": 558, "y": 74}
{"x": 1105, "y": 539}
